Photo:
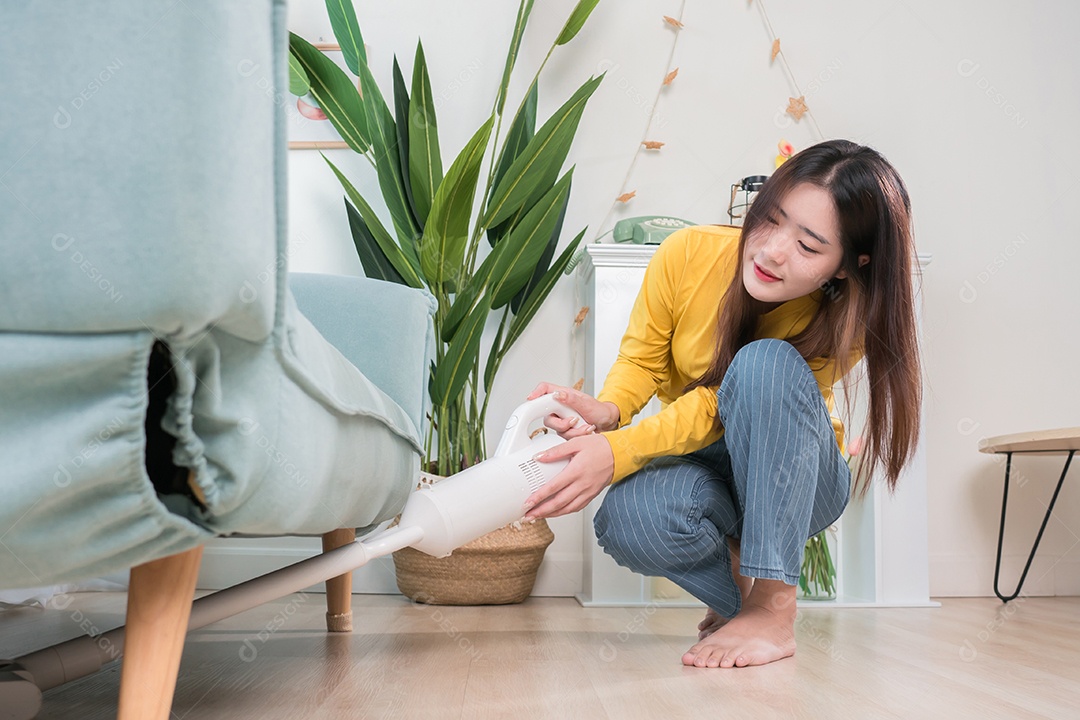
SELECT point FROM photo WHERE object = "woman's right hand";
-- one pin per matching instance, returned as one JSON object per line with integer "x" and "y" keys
{"x": 598, "y": 416}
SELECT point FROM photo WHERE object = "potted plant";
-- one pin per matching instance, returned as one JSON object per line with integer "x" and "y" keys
{"x": 818, "y": 578}
{"x": 434, "y": 242}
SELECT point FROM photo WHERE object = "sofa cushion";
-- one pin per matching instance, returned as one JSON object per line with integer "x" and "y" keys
{"x": 397, "y": 339}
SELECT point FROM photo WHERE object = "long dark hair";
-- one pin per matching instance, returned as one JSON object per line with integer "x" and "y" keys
{"x": 871, "y": 310}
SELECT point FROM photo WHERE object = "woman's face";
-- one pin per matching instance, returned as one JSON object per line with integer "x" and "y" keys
{"x": 796, "y": 250}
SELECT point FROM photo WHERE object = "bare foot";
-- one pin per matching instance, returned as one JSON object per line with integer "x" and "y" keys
{"x": 713, "y": 620}
{"x": 763, "y": 631}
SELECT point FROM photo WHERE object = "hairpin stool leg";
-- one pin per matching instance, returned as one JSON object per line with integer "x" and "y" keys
{"x": 1001, "y": 532}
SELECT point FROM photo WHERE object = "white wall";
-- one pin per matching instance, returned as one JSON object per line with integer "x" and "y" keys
{"x": 972, "y": 101}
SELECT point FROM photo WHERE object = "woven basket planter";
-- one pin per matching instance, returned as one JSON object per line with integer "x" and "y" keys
{"x": 496, "y": 569}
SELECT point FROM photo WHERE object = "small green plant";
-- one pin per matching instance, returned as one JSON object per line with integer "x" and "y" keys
{"x": 818, "y": 576}
{"x": 434, "y": 245}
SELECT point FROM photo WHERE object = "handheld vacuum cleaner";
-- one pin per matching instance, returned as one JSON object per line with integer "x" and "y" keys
{"x": 439, "y": 518}
{"x": 436, "y": 519}
{"x": 455, "y": 511}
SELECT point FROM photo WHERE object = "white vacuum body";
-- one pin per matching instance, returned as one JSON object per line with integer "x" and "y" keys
{"x": 487, "y": 496}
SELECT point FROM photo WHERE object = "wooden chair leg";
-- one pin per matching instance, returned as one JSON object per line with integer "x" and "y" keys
{"x": 338, "y": 589}
{"x": 159, "y": 605}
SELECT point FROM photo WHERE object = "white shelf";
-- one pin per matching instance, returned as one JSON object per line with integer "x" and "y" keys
{"x": 882, "y": 558}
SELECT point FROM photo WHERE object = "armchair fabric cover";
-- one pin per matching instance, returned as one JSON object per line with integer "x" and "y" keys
{"x": 142, "y": 205}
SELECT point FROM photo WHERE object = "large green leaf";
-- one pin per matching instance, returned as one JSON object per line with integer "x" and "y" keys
{"x": 517, "y": 139}
{"x": 347, "y": 31}
{"x": 500, "y": 262}
{"x": 401, "y": 121}
{"x": 384, "y": 140}
{"x": 461, "y": 356}
{"x": 298, "y": 79}
{"x": 576, "y": 20}
{"x": 376, "y": 264}
{"x": 511, "y": 54}
{"x": 335, "y": 93}
{"x": 545, "y": 259}
{"x": 463, "y": 304}
{"x": 518, "y": 136}
{"x": 541, "y": 291}
{"x": 393, "y": 253}
{"x": 467, "y": 295}
{"x": 442, "y": 248}
{"x": 519, "y": 253}
{"x": 425, "y": 161}
{"x": 535, "y": 169}
{"x": 494, "y": 357}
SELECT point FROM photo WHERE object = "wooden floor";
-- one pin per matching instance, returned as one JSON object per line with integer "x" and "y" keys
{"x": 549, "y": 657}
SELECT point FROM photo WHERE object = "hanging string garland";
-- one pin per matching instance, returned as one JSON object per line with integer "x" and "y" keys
{"x": 796, "y": 106}
{"x": 647, "y": 144}
{"x": 627, "y": 195}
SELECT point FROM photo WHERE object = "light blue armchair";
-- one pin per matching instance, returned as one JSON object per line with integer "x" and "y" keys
{"x": 159, "y": 383}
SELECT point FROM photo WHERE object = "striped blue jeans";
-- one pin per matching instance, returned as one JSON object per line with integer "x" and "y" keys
{"x": 774, "y": 479}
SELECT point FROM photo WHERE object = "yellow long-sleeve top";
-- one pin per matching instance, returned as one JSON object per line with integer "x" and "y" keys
{"x": 669, "y": 343}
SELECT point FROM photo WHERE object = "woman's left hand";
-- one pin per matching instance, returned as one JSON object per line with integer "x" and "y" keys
{"x": 589, "y": 471}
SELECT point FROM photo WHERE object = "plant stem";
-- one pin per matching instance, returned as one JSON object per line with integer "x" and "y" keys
{"x": 499, "y": 351}
{"x": 439, "y": 413}
{"x": 817, "y": 566}
{"x": 427, "y": 442}
{"x": 479, "y": 449}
